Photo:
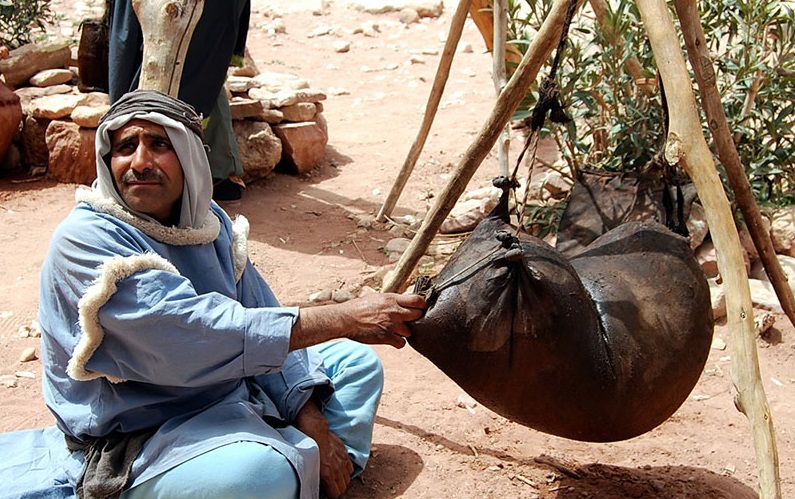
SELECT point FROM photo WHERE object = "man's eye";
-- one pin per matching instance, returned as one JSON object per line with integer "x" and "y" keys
{"x": 161, "y": 144}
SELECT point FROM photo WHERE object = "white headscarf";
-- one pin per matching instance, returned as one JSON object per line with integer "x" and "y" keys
{"x": 197, "y": 188}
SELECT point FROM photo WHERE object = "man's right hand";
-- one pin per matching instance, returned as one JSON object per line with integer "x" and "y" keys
{"x": 378, "y": 318}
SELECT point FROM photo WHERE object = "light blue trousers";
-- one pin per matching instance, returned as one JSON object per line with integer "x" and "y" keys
{"x": 252, "y": 470}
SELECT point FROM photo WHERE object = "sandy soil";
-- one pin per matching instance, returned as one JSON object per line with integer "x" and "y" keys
{"x": 430, "y": 439}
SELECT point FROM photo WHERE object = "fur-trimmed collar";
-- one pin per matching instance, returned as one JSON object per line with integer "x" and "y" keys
{"x": 168, "y": 235}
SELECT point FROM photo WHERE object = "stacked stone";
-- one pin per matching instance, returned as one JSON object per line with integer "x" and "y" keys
{"x": 277, "y": 118}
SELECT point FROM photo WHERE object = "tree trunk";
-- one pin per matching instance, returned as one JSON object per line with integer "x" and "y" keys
{"x": 167, "y": 27}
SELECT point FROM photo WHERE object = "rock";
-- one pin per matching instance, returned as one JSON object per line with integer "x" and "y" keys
{"x": 782, "y": 230}
{"x": 10, "y": 118}
{"x": 291, "y": 97}
{"x": 28, "y": 94}
{"x": 271, "y": 116}
{"x": 8, "y": 381}
{"x": 302, "y": 111}
{"x": 764, "y": 296}
{"x": 25, "y": 374}
{"x": 275, "y": 82}
{"x": 718, "y": 343}
{"x": 321, "y": 296}
{"x": 718, "y": 296}
{"x": 33, "y": 143}
{"x": 245, "y": 108}
{"x": 397, "y": 245}
{"x": 697, "y": 225}
{"x": 465, "y": 48}
{"x": 341, "y": 46}
{"x": 341, "y": 296}
{"x": 28, "y": 355}
{"x": 260, "y": 149}
{"x": 55, "y": 107}
{"x": 425, "y": 8}
{"x": 787, "y": 265}
{"x": 261, "y": 94}
{"x": 303, "y": 145}
{"x": 763, "y": 322}
{"x": 240, "y": 84}
{"x": 29, "y": 59}
{"x": 72, "y": 157}
{"x": 88, "y": 116}
{"x": 409, "y": 16}
{"x": 51, "y": 77}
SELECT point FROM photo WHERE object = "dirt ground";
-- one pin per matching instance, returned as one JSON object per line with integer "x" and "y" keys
{"x": 430, "y": 439}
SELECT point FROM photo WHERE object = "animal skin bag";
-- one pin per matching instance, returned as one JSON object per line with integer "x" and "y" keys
{"x": 601, "y": 347}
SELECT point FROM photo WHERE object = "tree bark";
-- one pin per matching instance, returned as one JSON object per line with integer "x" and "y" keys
{"x": 543, "y": 44}
{"x": 686, "y": 146}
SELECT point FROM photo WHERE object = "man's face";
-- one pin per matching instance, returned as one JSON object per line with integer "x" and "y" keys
{"x": 146, "y": 170}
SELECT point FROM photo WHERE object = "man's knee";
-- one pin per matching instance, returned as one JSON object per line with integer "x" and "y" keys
{"x": 239, "y": 470}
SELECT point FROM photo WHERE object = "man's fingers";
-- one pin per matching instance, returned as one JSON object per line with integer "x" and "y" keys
{"x": 412, "y": 301}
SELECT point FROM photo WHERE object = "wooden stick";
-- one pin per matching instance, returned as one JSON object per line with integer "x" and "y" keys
{"x": 500, "y": 15}
{"x": 167, "y": 27}
{"x": 439, "y": 82}
{"x": 703, "y": 67}
{"x": 543, "y": 44}
{"x": 686, "y": 146}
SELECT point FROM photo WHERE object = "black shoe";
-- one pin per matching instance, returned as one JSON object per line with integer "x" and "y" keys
{"x": 226, "y": 190}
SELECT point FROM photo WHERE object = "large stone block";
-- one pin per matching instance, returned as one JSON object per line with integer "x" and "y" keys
{"x": 33, "y": 145}
{"x": 72, "y": 156}
{"x": 260, "y": 149}
{"x": 303, "y": 145}
{"x": 10, "y": 117}
{"x": 28, "y": 60}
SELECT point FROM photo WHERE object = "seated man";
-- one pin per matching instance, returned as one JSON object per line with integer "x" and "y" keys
{"x": 170, "y": 367}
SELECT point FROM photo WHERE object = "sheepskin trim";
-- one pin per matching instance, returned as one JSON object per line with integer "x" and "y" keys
{"x": 240, "y": 229}
{"x": 168, "y": 235}
{"x": 97, "y": 295}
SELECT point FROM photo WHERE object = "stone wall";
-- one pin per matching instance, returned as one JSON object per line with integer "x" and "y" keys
{"x": 277, "y": 117}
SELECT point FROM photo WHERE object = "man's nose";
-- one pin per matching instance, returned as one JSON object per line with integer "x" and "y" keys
{"x": 141, "y": 159}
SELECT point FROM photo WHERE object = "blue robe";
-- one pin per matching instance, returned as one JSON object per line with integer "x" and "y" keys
{"x": 182, "y": 335}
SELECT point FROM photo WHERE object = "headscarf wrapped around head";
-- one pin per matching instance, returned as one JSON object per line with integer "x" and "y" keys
{"x": 183, "y": 127}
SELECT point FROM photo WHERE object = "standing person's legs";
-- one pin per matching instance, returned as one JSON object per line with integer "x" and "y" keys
{"x": 240, "y": 470}
{"x": 224, "y": 155}
{"x": 358, "y": 379}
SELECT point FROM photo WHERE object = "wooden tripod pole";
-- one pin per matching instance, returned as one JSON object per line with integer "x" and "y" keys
{"x": 439, "y": 82}
{"x": 543, "y": 44}
{"x": 167, "y": 28}
{"x": 702, "y": 65}
{"x": 686, "y": 146}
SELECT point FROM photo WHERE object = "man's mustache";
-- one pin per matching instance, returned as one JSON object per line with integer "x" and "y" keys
{"x": 142, "y": 176}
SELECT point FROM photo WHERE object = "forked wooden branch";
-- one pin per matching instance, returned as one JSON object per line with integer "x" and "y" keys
{"x": 543, "y": 44}
{"x": 167, "y": 27}
{"x": 686, "y": 146}
{"x": 439, "y": 82}
{"x": 702, "y": 64}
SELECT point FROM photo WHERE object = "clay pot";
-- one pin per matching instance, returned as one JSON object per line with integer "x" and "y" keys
{"x": 10, "y": 116}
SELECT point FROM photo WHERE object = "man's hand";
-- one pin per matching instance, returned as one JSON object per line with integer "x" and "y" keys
{"x": 335, "y": 464}
{"x": 378, "y": 318}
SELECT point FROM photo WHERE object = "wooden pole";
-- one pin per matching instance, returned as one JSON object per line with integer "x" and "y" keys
{"x": 499, "y": 76}
{"x": 167, "y": 27}
{"x": 701, "y": 62}
{"x": 439, "y": 82}
{"x": 685, "y": 145}
{"x": 543, "y": 44}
